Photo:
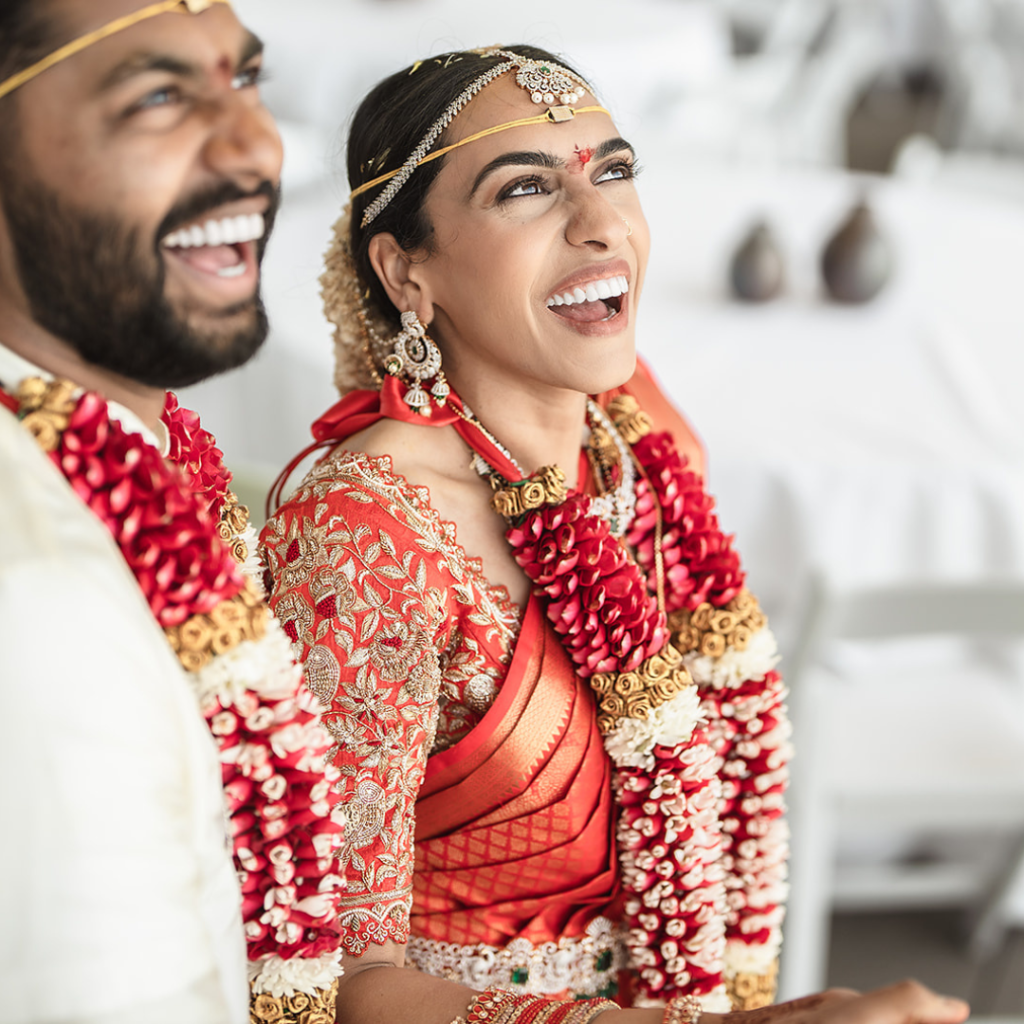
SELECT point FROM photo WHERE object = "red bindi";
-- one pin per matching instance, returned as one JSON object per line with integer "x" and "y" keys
{"x": 581, "y": 157}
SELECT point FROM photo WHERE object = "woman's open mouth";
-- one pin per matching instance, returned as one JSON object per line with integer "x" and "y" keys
{"x": 593, "y": 302}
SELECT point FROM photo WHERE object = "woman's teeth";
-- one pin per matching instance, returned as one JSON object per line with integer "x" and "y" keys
{"x": 607, "y": 288}
{"x": 226, "y": 231}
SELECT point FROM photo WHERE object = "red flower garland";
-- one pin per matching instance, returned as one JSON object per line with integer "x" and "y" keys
{"x": 271, "y": 750}
{"x": 597, "y": 597}
{"x": 700, "y": 564}
{"x": 688, "y": 874}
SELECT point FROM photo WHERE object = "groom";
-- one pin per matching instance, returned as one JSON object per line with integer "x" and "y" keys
{"x": 139, "y": 178}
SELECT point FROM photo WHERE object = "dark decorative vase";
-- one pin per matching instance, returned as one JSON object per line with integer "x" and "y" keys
{"x": 857, "y": 261}
{"x": 756, "y": 271}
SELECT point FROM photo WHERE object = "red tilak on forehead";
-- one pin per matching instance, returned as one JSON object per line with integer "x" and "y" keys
{"x": 580, "y": 159}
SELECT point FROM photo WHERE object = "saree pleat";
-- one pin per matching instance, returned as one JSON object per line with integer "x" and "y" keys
{"x": 515, "y": 823}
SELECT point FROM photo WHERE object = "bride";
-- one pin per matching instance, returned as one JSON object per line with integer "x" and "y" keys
{"x": 561, "y": 735}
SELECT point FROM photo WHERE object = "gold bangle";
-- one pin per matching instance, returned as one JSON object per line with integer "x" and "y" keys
{"x": 682, "y": 1010}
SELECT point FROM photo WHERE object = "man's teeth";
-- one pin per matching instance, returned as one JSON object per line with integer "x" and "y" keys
{"x": 226, "y": 231}
{"x": 606, "y": 288}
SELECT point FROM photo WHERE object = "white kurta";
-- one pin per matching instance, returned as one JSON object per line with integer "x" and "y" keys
{"x": 118, "y": 900}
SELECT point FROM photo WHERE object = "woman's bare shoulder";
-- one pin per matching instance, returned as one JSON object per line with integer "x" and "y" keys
{"x": 424, "y": 455}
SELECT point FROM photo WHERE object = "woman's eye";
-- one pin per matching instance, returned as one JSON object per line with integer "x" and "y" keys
{"x": 249, "y": 77}
{"x": 621, "y": 171}
{"x": 525, "y": 187}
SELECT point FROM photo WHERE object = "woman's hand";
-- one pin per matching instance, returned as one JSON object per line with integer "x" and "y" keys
{"x": 907, "y": 1002}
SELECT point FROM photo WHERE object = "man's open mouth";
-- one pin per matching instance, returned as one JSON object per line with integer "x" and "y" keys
{"x": 591, "y": 302}
{"x": 223, "y": 247}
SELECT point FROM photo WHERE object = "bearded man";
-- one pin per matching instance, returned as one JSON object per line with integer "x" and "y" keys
{"x": 144, "y": 684}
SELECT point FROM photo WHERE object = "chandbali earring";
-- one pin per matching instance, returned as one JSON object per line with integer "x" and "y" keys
{"x": 417, "y": 357}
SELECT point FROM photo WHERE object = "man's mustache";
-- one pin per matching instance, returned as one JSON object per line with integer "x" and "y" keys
{"x": 193, "y": 208}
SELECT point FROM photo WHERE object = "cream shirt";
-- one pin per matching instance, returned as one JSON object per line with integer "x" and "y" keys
{"x": 118, "y": 900}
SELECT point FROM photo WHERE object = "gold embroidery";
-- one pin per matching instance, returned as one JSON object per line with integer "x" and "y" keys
{"x": 711, "y": 631}
{"x": 749, "y": 991}
{"x": 636, "y": 694}
{"x": 377, "y": 595}
{"x": 198, "y": 640}
{"x": 295, "y": 1009}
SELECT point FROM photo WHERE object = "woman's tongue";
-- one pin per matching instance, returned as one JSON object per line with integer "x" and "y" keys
{"x": 584, "y": 312}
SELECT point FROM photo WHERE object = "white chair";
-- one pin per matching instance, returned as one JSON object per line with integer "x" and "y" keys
{"x": 908, "y": 715}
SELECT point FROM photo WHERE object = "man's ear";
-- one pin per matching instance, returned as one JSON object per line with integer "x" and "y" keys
{"x": 397, "y": 272}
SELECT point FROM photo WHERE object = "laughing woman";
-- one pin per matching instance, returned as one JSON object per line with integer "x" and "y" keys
{"x": 560, "y": 731}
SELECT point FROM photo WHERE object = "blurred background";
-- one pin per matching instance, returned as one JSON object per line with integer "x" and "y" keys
{"x": 836, "y": 301}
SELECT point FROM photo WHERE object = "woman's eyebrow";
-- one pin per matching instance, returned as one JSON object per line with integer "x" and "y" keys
{"x": 525, "y": 157}
{"x": 538, "y": 158}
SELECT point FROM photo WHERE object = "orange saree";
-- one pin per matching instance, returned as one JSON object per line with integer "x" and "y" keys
{"x": 515, "y": 823}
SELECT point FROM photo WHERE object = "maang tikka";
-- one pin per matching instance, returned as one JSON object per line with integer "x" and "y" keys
{"x": 417, "y": 356}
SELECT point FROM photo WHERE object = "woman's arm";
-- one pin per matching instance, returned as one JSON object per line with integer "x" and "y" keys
{"x": 377, "y": 990}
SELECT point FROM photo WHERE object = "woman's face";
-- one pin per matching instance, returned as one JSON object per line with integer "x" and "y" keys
{"x": 537, "y": 230}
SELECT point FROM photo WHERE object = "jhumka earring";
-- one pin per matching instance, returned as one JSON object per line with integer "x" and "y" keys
{"x": 417, "y": 356}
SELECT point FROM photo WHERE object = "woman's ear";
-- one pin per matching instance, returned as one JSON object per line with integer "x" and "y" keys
{"x": 397, "y": 271}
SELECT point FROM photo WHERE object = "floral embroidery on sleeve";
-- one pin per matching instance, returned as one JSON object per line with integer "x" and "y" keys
{"x": 379, "y": 602}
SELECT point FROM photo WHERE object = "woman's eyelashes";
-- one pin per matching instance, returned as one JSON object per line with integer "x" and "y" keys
{"x": 533, "y": 185}
{"x": 618, "y": 170}
{"x": 539, "y": 184}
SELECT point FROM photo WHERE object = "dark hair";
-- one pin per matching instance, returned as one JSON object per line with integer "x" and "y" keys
{"x": 388, "y": 125}
{"x": 25, "y": 37}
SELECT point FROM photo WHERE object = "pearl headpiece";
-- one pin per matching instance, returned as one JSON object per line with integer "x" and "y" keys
{"x": 545, "y": 81}
{"x": 104, "y": 32}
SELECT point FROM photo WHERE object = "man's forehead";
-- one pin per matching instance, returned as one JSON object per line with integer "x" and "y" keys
{"x": 94, "y": 31}
{"x": 75, "y": 18}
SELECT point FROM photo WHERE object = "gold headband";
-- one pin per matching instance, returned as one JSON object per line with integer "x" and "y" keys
{"x": 552, "y": 115}
{"x": 546, "y": 82}
{"x": 118, "y": 25}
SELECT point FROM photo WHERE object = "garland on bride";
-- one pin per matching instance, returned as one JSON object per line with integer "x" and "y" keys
{"x": 681, "y": 661}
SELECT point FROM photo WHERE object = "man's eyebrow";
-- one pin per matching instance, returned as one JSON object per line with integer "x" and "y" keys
{"x": 537, "y": 158}
{"x": 151, "y": 60}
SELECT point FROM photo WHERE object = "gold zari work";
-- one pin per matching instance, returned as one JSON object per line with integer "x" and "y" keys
{"x": 636, "y": 694}
{"x": 47, "y": 408}
{"x": 201, "y": 638}
{"x": 296, "y": 1009}
{"x": 752, "y": 991}
{"x": 711, "y": 631}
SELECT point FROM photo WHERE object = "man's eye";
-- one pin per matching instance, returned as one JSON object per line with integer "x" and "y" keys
{"x": 159, "y": 98}
{"x": 248, "y": 78}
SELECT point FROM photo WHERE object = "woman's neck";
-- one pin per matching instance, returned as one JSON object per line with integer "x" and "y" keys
{"x": 539, "y": 428}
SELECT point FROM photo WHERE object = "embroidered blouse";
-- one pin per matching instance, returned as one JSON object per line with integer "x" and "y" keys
{"x": 406, "y": 643}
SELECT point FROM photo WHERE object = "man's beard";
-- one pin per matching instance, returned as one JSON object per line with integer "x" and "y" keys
{"x": 92, "y": 282}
